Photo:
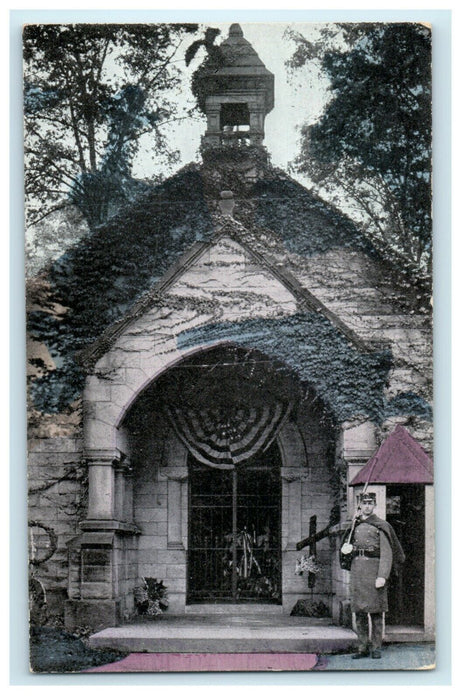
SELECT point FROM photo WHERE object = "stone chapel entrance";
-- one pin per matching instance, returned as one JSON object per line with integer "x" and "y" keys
{"x": 227, "y": 406}
{"x": 221, "y": 463}
{"x": 235, "y": 531}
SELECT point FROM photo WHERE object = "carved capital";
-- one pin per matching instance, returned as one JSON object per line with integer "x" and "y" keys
{"x": 103, "y": 457}
{"x": 122, "y": 465}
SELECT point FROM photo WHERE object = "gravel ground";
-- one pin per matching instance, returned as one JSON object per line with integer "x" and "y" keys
{"x": 395, "y": 657}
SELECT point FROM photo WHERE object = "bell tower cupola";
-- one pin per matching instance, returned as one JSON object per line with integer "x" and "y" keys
{"x": 235, "y": 94}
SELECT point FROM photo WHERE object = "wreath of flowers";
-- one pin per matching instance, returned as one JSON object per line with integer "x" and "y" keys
{"x": 307, "y": 563}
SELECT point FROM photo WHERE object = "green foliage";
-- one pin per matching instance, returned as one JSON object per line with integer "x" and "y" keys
{"x": 56, "y": 651}
{"x": 218, "y": 157}
{"x": 349, "y": 382}
{"x": 101, "y": 277}
{"x": 214, "y": 60}
{"x": 408, "y": 403}
{"x": 307, "y": 224}
{"x": 373, "y": 140}
{"x": 91, "y": 91}
{"x": 151, "y": 597}
{"x": 208, "y": 44}
{"x": 98, "y": 279}
{"x": 310, "y": 608}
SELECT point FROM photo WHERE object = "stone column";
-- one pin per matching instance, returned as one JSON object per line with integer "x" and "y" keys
{"x": 352, "y": 469}
{"x": 291, "y": 481}
{"x": 213, "y": 117}
{"x": 177, "y": 481}
{"x": 357, "y": 443}
{"x": 128, "y": 516}
{"x": 101, "y": 488}
{"x": 256, "y": 125}
{"x": 212, "y": 135}
{"x": 119, "y": 488}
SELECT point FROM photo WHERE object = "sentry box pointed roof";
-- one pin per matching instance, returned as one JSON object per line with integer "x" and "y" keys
{"x": 399, "y": 460}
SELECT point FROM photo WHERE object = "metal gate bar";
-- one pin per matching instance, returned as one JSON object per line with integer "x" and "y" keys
{"x": 234, "y": 535}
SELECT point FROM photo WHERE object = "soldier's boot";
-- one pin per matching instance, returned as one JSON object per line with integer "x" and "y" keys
{"x": 361, "y": 620}
{"x": 361, "y": 654}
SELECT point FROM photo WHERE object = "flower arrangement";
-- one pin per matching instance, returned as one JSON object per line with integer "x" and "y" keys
{"x": 307, "y": 563}
{"x": 151, "y": 597}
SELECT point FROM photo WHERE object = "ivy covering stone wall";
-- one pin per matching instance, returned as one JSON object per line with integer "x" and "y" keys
{"x": 98, "y": 280}
{"x": 350, "y": 382}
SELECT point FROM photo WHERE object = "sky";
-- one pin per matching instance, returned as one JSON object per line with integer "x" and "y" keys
{"x": 299, "y": 98}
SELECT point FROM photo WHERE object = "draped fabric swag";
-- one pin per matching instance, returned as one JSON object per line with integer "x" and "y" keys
{"x": 223, "y": 438}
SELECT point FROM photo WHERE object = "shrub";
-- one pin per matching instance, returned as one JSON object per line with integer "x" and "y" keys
{"x": 151, "y": 597}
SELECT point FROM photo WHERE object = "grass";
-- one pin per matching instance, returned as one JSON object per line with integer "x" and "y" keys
{"x": 56, "y": 651}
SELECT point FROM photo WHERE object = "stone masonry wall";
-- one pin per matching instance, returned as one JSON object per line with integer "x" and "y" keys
{"x": 161, "y": 510}
{"x": 57, "y": 501}
{"x": 357, "y": 291}
{"x": 317, "y": 498}
{"x": 349, "y": 284}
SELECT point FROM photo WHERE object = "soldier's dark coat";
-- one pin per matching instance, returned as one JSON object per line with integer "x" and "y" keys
{"x": 377, "y": 534}
{"x": 365, "y": 597}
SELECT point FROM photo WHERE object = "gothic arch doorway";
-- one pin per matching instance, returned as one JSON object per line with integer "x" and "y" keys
{"x": 227, "y": 405}
{"x": 235, "y": 531}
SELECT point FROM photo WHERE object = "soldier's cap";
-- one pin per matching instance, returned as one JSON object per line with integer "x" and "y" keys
{"x": 369, "y": 497}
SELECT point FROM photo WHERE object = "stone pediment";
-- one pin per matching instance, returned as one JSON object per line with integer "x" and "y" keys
{"x": 228, "y": 272}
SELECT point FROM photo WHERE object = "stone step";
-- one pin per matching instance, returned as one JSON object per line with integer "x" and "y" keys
{"x": 407, "y": 633}
{"x": 233, "y": 609}
{"x": 226, "y": 634}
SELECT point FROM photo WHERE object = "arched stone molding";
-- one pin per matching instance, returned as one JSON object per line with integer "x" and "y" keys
{"x": 110, "y": 392}
{"x": 291, "y": 446}
{"x": 108, "y": 395}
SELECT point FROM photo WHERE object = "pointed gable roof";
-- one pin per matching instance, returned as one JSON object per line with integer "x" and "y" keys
{"x": 224, "y": 227}
{"x": 399, "y": 460}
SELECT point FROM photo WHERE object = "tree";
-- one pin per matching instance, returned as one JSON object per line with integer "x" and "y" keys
{"x": 214, "y": 60}
{"x": 371, "y": 147}
{"x": 208, "y": 44}
{"x": 91, "y": 92}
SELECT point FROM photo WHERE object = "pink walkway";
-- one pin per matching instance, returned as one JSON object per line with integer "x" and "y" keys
{"x": 171, "y": 662}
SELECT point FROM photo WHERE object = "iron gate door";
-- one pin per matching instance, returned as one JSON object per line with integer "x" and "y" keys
{"x": 234, "y": 534}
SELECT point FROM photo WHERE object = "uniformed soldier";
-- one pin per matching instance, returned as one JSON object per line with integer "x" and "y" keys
{"x": 374, "y": 549}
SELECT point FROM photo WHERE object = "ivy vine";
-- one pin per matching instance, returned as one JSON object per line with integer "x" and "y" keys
{"x": 102, "y": 276}
{"x": 351, "y": 383}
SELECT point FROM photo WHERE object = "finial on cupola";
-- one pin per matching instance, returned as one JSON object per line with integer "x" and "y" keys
{"x": 236, "y": 94}
{"x": 235, "y": 30}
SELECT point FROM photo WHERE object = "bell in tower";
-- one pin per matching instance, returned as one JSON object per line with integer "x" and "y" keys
{"x": 235, "y": 94}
